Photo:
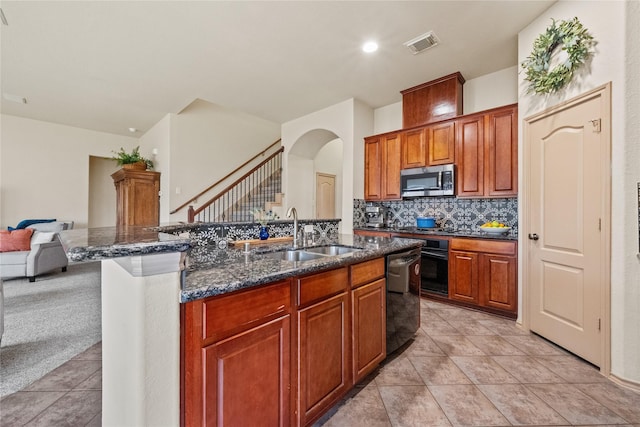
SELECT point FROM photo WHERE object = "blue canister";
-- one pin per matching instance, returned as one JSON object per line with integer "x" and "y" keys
{"x": 426, "y": 222}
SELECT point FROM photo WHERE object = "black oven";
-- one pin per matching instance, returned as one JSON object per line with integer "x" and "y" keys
{"x": 434, "y": 266}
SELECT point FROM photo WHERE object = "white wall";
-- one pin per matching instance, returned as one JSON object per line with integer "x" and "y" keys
{"x": 159, "y": 138}
{"x": 102, "y": 194}
{"x": 208, "y": 142}
{"x": 45, "y": 168}
{"x": 329, "y": 161}
{"x": 301, "y": 193}
{"x": 614, "y": 27}
{"x": 491, "y": 90}
{"x": 479, "y": 94}
{"x": 339, "y": 119}
{"x": 387, "y": 118}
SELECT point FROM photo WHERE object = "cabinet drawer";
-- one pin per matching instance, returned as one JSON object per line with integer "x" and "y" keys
{"x": 486, "y": 246}
{"x": 366, "y": 272}
{"x": 235, "y": 312}
{"x": 318, "y": 286}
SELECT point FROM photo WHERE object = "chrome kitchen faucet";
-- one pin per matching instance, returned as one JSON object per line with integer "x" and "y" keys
{"x": 293, "y": 211}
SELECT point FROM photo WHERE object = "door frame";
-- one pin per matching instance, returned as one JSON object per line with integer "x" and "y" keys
{"x": 318, "y": 174}
{"x": 604, "y": 92}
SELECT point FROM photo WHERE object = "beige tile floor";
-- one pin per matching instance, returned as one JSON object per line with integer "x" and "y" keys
{"x": 464, "y": 368}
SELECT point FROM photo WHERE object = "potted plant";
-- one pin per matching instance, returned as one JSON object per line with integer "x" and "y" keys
{"x": 132, "y": 160}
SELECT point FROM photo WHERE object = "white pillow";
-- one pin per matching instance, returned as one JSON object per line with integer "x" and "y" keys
{"x": 42, "y": 237}
{"x": 56, "y": 226}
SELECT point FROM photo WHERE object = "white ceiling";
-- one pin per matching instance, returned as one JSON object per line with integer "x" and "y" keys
{"x": 112, "y": 65}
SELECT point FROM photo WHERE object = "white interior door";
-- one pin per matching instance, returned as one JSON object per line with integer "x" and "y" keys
{"x": 567, "y": 208}
{"x": 325, "y": 196}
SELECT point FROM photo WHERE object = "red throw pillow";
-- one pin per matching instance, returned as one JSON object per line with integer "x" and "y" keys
{"x": 16, "y": 240}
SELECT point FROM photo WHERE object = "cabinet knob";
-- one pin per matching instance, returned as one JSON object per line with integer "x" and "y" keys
{"x": 533, "y": 236}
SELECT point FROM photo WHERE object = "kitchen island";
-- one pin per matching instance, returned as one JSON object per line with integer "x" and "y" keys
{"x": 174, "y": 314}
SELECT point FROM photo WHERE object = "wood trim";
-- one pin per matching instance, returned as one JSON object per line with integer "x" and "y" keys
{"x": 500, "y": 247}
{"x": 319, "y": 286}
{"x": 366, "y": 272}
{"x": 182, "y": 206}
{"x": 226, "y": 315}
{"x": 457, "y": 74}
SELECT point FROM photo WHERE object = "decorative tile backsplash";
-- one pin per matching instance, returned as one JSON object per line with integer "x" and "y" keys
{"x": 205, "y": 234}
{"x": 450, "y": 212}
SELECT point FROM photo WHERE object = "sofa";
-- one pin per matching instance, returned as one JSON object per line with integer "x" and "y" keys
{"x": 45, "y": 253}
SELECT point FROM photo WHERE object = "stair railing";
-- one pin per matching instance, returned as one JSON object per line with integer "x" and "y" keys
{"x": 252, "y": 190}
{"x": 223, "y": 179}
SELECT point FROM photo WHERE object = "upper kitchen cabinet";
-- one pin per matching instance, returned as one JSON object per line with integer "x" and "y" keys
{"x": 487, "y": 153}
{"x": 414, "y": 149}
{"x": 501, "y": 152}
{"x": 372, "y": 168}
{"x": 470, "y": 156}
{"x": 441, "y": 143}
{"x": 429, "y": 145}
{"x": 433, "y": 101}
{"x": 382, "y": 166}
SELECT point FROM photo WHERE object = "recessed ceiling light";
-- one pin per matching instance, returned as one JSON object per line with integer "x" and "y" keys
{"x": 369, "y": 47}
{"x": 133, "y": 130}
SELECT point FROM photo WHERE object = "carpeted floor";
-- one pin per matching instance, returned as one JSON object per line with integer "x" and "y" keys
{"x": 47, "y": 323}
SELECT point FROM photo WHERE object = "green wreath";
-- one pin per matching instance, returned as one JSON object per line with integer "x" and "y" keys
{"x": 574, "y": 39}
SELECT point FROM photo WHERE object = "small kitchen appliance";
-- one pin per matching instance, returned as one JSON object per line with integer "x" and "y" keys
{"x": 429, "y": 181}
{"x": 375, "y": 216}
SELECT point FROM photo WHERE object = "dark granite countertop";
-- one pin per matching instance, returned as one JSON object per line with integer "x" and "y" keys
{"x": 93, "y": 244}
{"x": 213, "y": 271}
{"x": 475, "y": 234}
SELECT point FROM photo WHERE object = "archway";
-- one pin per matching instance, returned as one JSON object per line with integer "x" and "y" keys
{"x": 317, "y": 151}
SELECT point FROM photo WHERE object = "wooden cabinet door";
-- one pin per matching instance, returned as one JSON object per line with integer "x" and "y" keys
{"x": 372, "y": 168}
{"x": 501, "y": 153}
{"x": 463, "y": 276}
{"x": 246, "y": 377}
{"x": 498, "y": 282}
{"x": 369, "y": 323}
{"x": 470, "y": 156}
{"x": 323, "y": 356}
{"x": 391, "y": 163}
{"x": 442, "y": 142}
{"x": 414, "y": 149}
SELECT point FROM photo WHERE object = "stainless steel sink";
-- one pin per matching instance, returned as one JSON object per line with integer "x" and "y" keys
{"x": 332, "y": 250}
{"x": 294, "y": 255}
{"x": 308, "y": 254}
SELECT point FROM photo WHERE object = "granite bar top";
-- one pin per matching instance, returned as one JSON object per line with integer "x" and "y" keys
{"x": 213, "y": 272}
{"x": 474, "y": 234}
{"x": 93, "y": 244}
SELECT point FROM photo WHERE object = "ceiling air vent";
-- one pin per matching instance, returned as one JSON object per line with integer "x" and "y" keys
{"x": 422, "y": 43}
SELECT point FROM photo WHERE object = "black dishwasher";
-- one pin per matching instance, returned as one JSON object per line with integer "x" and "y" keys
{"x": 403, "y": 298}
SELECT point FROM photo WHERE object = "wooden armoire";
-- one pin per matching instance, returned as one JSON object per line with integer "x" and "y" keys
{"x": 137, "y": 197}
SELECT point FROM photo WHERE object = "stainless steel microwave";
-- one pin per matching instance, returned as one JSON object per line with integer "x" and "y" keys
{"x": 429, "y": 181}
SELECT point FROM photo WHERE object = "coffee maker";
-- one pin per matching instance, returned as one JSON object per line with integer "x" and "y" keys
{"x": 375, "y": 216}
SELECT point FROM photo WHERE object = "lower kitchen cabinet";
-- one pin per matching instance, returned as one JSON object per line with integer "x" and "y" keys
{"x": 483, "y": 273}
{"x": 498, "y": 282}
{"x": 258, "y": 358}
{"x": 323, "y": 354}
{"x": 369, "y": 318}
{"x": 237, "y": 358}
{"x": 463, "y": 276}
{"x": 284, "y": 353}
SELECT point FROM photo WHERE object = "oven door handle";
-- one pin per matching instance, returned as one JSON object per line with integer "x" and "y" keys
{"x": 435, "y": 255}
